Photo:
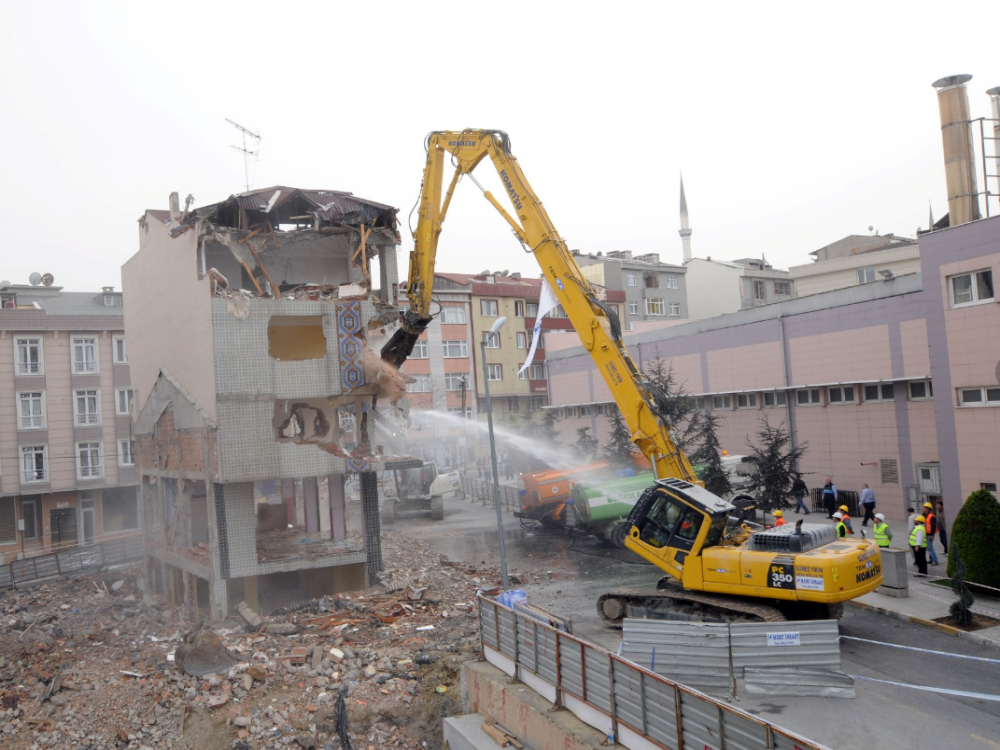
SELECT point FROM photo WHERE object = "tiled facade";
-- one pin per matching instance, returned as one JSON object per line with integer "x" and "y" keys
{"x": 67, "y": 458}
{"x": 856, "y": 368}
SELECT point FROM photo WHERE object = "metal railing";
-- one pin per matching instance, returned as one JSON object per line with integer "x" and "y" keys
{"x": 72, "y": 561}
{"x": 844, "y": 497}
{"x": 480, "y": 490}
{"x": 609, "y": 692}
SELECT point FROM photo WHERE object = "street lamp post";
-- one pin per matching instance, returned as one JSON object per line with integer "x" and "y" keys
{"x": 493, "y": 452}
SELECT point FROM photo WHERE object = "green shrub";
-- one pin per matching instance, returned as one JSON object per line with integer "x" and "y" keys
{"x": 975, "y": 530}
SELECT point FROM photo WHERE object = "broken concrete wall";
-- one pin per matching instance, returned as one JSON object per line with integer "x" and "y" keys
{"x": 166, "y": 309}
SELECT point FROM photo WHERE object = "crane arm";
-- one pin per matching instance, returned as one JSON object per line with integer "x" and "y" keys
{"x": 596, "y": 323}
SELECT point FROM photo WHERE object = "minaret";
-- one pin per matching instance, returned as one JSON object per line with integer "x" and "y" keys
{"x": 685, "y": 231}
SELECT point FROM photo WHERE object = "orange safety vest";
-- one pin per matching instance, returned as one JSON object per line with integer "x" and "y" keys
{"x": 779, "y": 522}
{"x": 927, "y": 523}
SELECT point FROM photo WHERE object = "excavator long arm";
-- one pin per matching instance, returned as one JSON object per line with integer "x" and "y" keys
{"x": 595, "y": 322}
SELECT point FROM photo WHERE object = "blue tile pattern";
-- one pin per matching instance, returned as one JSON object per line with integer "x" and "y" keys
{"x": 350, "y": 340}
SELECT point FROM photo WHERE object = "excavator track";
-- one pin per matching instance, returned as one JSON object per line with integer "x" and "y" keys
{"x": 612, "y": 605}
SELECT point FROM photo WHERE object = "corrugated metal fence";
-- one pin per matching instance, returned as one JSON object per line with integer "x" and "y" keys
{"x": 479, "y": 490}
{"x": 602, "y": 688}
{"x": 72, "y": 561}
{"x": 789, "y": 658}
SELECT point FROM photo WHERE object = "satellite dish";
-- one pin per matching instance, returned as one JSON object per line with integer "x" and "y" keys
{"x": 505, "y": 272}
{"x": 47, "y": 279}
{"x": 35, "y": 278}
{"x": 4, "y": 284}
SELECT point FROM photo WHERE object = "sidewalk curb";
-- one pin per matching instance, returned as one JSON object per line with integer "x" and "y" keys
{"x": 948, "y": 629}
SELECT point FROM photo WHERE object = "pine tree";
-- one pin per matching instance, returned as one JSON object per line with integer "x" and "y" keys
{"x": 547, "y": 429}
{"x": 708, "y": 457}
{"x": 775, "y": 461}
{"x": 585, "y": 445}
{"x": 678, "y": 408}
{"x": 618, "y": 449}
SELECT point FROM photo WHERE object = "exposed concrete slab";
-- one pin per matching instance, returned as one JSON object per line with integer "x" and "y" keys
{"x": 523, "y": 712}
{"x": 466, "y": 733}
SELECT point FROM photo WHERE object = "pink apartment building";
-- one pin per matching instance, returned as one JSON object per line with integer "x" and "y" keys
{"x": 895, "y": 383}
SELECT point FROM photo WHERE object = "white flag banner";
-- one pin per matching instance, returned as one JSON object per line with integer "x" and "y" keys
{"x": 547, "y": 302}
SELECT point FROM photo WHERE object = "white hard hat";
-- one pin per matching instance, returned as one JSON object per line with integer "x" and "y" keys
{"x": 879, "y": 516}
{"x": 838, "y": 514}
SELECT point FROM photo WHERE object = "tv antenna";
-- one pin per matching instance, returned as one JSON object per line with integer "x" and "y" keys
{"x": 247, "y": 153}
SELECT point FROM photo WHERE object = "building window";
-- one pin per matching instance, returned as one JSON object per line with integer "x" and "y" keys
{"x": 29, "y": 512}
{"x": 603, "y": 410}
{"x": 494, "y": 372}
{"x": 518, "y": 309}
{"x": 775, "y": 399}
{"x": 586, "y": 411}
{"x": 488, "y": 307}
{"x": 296, "y": 337}
{"x": 112, "y": 300}
{"x": 882, "y": 392}
{"x": 121, "y": 358}
{"x": 492, "y": 340}
{"x": 31, "y": 410}
{"x": 841, "y": 394}
{"x": 454, "y": 349}
{"x": 675, "y": 310}
{"x": 652, "y": 282}
{"x": 807, "y": 397}
{"x": 654, "y": 307}
{"x": 458, "y": 410}
{"x": 990, "y": 487}
{"x": 8, "y": 521}
{"x": 29, "y": 356}
{"x": 572, "y": 412}
{"x": 88, "y": 409}
{"x": 535, "y": 372}
{"x": 420, "y": 384}
{"x": 633, "y": 308}
{"x": 531, "y": 309}
{"x": 512, "y": 404}
{"x": 921, "y": 390}
{"x": 453, "y": 381}
{"x": 672, "y": 282}
{"x": 979, "y": 396}
{"x": 866, "y": 275}
{"x": 522, "y": 340}
{"x": 558, "y": 312}
{"x": 746, "y": 401}
{"x": 535, "y": 403}
{"x": 453, "y": 315}
{"x": 971, "y": 288}
{"x": 782, "y": 288}
{"x": 126, "y": 453}
{"x": 722, "y": 402}
{"x": 759, "y": 290}
{"x": 84, "y": 356}
{"x": 88, "y": 460}
{"x": 632, "y": 279}
{"x": 34, "y": 463}
{"x": 419, "y": 350}
{"x": 123, "y": 401}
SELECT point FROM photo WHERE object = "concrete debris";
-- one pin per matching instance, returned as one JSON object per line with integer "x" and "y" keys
{"x": 359, "y": 668}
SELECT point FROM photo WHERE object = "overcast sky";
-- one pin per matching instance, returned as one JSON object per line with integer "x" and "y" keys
{"x": 793, "y": 128}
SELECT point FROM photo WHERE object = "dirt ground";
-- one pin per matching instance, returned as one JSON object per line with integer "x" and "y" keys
{"x": 92, "y": 662}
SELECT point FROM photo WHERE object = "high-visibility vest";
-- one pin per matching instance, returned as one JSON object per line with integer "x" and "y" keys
{"x": 913, "y": 538}
{"x": 881, "y": 538}
{"x": 927, "y": 523}
{"x": 841, "y": 529}
{"x": 780, "y": 522}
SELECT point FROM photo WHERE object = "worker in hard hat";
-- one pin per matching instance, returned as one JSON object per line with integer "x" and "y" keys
{"x": 846, "y": 518}
{"x": 779, "y": 518}
{"x": 883, "y": 534}
{"x": 930, "y": 528}
{"x": 918, "y": 543}
{"x": 840, "y": 525}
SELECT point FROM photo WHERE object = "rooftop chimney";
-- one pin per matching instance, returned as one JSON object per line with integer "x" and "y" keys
{"x": 959, "y": 156}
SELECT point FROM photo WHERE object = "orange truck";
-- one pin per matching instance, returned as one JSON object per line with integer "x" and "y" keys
{"x": 543, "y": 494}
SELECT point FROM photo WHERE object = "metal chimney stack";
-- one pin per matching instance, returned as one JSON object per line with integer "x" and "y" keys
{"x": 959, "y": 155}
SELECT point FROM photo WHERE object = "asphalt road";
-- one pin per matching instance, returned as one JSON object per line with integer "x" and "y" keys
{"x": 568, "y": 575}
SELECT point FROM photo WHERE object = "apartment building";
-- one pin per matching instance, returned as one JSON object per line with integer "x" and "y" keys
{"x": 67, "y": 454}
{"x": 654, "y": 291}
{"x": 718, "y": 287}
{"x": 854, "y": 260}
{"x": 257, "y": 393}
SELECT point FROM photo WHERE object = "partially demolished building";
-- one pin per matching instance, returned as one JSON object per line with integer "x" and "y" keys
{"x": 255, "y": 389}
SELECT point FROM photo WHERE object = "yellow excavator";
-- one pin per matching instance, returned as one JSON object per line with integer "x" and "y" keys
{"x": 717, "y": 565}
